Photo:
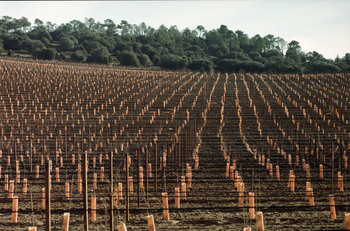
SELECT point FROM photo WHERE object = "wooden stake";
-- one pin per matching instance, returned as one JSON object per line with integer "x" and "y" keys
{"x": 260, "y": 221}
{"x": 183, "y": 191}
{"x": 177, "y": 197}
{"x": 340, "y": 182}
{"x": 25, "y": 186}
{"x": 80, "y": 185}
{"x": 6, "y": 183}
{"x": 251, "y": 206}
{"x": 232, "y": 170}
{"x": 37, "y": 171}
{"x": 271, "y": 170}
{"x": 122, "y": 227}
{"x": 94, "y": 181}
{"x": 12, "y": 189}
{"x": 120, "y": 191}
{"x": 14, "y": 209}
{"x": 66, "y": 221}
{"x": 347, "y": 221}
{"x": 321, "y": 171}
{"x": 131, "y": 185}
{"x": 189, "y": 180}
{"x": 227, "y": 169}
{"x": 43, "y": 198}
{"x": 292, "y": 186}
{"x": 240, "y": 194}
{"x": 332, "y": 207}
{"x": 150, "y": 221}
{"x": 165, "y": 206}
{"x": 307, "y": 166}
{"x": 102, "y": 174}
{"x": 307, "y": 193}
{"x": 196, "y": 163}
{"x": 141, "y": 177}
{"x": 93, "y": 208}
{"x": 67, "y": 189}
{"x": 311, "y": 197}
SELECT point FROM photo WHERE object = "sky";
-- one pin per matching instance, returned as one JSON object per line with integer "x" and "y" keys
{"x": 318, "y": 25}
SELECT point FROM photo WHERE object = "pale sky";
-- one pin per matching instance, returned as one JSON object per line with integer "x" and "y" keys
{"x": 318, "y": 25}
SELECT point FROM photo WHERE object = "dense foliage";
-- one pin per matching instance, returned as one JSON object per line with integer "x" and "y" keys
{"x": 219, "y": 49}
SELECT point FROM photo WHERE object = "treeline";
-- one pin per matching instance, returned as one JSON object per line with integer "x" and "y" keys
{"x": 127, "y": 44}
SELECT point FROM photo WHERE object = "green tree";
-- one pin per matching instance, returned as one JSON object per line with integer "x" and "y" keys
{"x": 47, "y": 53}
{"x": 201, "y": 30}
{"x": 174, "y": 62}
{"x": 66, "y": 44}
{"x": 38, "y": 22}
{"x": 24, "y": 23}
{"x": 281, "y": 44}
{"x": 144, "y": 60}
{"x": 79, "y": 56}
{"x": 111, "y": 27}
{"x": 201, "y": 64}
{"x": 125, "y": 27}
{"x": 128, "y": 58}
{"x": 293, "y": 54}
{"x": 50, "y": 27}
{"x": 100, "y": 55}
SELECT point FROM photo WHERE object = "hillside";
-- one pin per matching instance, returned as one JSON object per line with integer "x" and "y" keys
{"x": 221, "y": 49}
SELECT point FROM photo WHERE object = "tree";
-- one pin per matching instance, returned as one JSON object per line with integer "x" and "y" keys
{"x": 228, "y": 65}
{"x": 201, "y": 64}
{"x": 293, "y": 54}
{"x": 173, "y": 62}
{"x": 200, "y": 30}
{"x": 50, "y": 27}
{"x": 38, "y": 22}
{"x": 243, "y": 40}
{"x": 144, "y": 60}
{"x": 79, "y": 56}
{"x": 281, "y": 44}
{"x": 270, "y": 42}
{"x": 149, "y": 50}
{"x": 12, "y": 42}
{"x": 100, "y": 55}
{"x": 111, "y": 27}
{"x": 2, "y": 50}
{"x": 323, "y": 67}
{"x": 347, "y": 58}
{"x": 91, "y": 24}
{"x": 143, "y": 29}
{"x": 128, "y": 58}
{"x": 294, "y": 45}
{"x": 66, "y": 44}
{"x": 47, "y": 53}
{"x": 257, "y": 43}
{"x": 24, "y": 23}
{"x": 125, "y": 27}
{"x": 198, "y": 49}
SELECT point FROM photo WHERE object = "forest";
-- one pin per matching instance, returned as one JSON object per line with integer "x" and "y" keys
{"x": 220, "y": 50}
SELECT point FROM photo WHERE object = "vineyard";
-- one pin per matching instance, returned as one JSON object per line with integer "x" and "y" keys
{"x": 125, "y": 149}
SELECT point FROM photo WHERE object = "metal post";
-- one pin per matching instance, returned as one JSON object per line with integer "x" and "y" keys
{"x": 111, "y": 218}
{"x": 47, "y": 197}
{"x": 127, "y": 188}
{"x": 85, "y": 193}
